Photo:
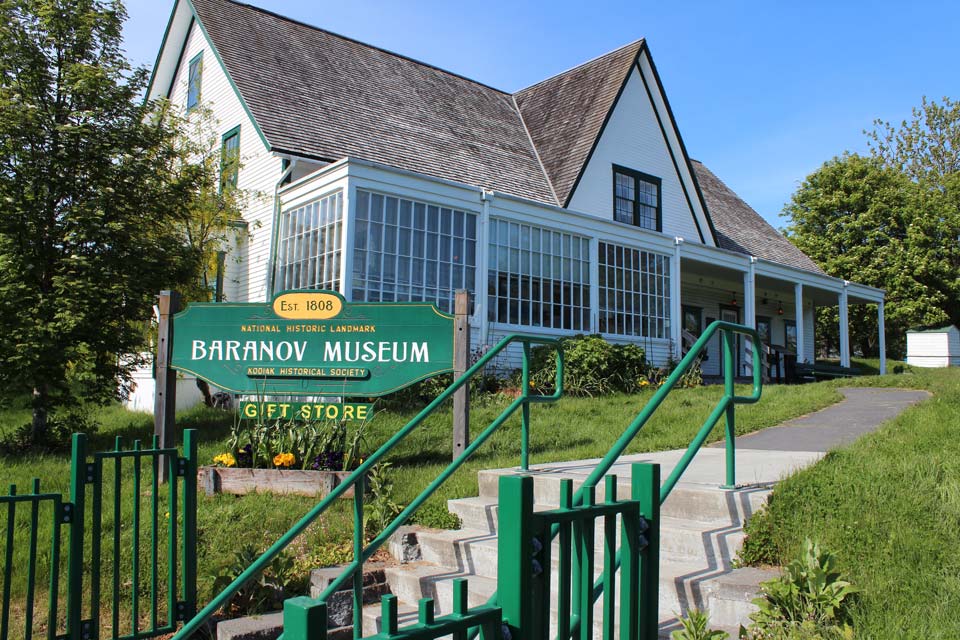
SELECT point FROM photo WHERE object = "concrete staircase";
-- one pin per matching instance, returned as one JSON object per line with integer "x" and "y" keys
{"x": 701, "y": 532}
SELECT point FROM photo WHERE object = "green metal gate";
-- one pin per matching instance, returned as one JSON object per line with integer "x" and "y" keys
{"x": 130, "y": 549}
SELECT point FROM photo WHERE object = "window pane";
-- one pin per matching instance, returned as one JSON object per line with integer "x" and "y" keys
{"x": 309, "y": 245}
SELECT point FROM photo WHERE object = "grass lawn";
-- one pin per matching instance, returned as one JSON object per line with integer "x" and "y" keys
{"x": 571, "y": 429}
{"x": 888, "y": 505}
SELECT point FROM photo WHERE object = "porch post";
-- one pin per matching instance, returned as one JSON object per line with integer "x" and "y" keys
{"x": 594, "y": 285}
{"x": 883, "y": 338}
{"x": 348, "y": 224}
{"x": 749, "y": 312}
{"x": 676, "y": 313}
{"x": 844, "y": 328}
{"x": 798, "y": 313}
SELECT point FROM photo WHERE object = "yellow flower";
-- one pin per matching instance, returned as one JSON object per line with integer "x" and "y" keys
{"x": 225, "y": 459}
{"x": 283, "y": 460}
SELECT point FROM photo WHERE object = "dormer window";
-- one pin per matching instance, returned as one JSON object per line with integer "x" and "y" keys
{"x": 636, "y": 198}
{"x": 194, "y": 76}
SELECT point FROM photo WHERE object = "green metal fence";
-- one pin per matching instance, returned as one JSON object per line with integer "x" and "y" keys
{"x": 525, "y": 567}
{"x": 134, "y": 575}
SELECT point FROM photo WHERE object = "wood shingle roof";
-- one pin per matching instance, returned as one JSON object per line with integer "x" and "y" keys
{"x": 740, "y": 228}
{"x": 320, "y": 95}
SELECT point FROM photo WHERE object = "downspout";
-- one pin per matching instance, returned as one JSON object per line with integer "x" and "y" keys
{"x": 483, "y": 266}
{"x": 287, "y": 166}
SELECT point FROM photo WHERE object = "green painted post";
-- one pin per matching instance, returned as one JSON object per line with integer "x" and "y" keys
{"x": 32, "y": 558}
{"x": 646, "y": 490}
{"x": 583, "y": 568}
{"x": 609, "y": 556}
{"x": 189, "y": 552}
{"x": 135, "y": 559}
{"x": 73, "y": 515}
{"x": 525, "y": 411}
{"x": 96, "y": 520}
{"x": 564, "y": 578}
{"x": 629, "y": 575}
{"x": 358, "y": 558}
{"x": 729, "y": 373}
{"x": 8, "y": 564}
{"x": 514, "y": 550}
{"x": 304, "y": 619}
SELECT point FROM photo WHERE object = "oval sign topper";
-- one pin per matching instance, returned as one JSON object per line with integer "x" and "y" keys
{"x": 307, "y": 306}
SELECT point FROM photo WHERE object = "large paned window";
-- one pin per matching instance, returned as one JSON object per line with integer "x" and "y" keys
{"x": 194, "y": 76}
{"x": 634, "y": 292}
{"x": 230, "y": 159}
{"x": 538, "y": 277}
{"x": 406, "y": 250}
{"x": 636, "y": 198}
{"x": 308, "y": 251}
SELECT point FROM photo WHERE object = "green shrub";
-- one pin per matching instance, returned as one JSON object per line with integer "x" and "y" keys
{"x": 759, "y": 546}
{"x": 592, "y": 367}
{"x": 810, "y": 600}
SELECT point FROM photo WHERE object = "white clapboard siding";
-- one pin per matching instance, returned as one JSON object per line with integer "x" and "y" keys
{"x": 247, "y": 266}
{"x": 931, "y": 348}
{"x": 633, "y": 139}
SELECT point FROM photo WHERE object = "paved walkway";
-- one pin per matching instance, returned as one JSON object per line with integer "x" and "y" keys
{"x": 766, "y": 456}
{"x": 863, "y": 410}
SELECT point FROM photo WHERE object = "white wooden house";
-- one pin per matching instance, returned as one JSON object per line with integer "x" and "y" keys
{"x": 571, "y": 206}
{"x": 934, "y": 347}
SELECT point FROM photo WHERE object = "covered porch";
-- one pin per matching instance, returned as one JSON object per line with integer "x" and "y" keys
{"x": 777, "y": 300}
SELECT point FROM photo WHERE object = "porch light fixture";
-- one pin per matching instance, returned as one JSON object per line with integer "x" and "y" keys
{"x": 779, "y": 308}
{"x": 733, "y": 301}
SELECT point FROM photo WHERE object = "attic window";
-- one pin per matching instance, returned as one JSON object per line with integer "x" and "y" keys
{"x": 193, "y": 81}
{"x": 636, "y": 198}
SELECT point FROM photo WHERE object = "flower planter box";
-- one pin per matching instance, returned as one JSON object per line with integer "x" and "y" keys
{"x": 279, "y": 481}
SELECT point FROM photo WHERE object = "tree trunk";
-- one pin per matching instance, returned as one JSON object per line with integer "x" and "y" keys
{"x": 41, "y": 408}
{"x": 205, "y": 391}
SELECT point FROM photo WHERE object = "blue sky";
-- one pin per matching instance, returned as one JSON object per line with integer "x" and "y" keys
{"x": 763, "y": 92}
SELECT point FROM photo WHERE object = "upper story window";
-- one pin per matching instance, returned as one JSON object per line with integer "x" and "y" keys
{"x": 636, "y": 198}
{"x": 193, "y": 81}
{"x": 230, "y": 159}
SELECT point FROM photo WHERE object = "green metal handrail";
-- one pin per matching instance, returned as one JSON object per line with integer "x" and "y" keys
{"x": 355, "y": 479}
{"x": 726, "y": 406}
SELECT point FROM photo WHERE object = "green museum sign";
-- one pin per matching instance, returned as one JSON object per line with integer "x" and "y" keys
{"x": 308, "y": 343}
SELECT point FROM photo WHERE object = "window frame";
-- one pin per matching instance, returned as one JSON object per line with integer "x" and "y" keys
{"x": 195, "y": 62}
{"x": 786, "y": 325}
{"x": 769, "y": 322}
{"x": 638, "y": 176}
{"x": 234, "y": 132}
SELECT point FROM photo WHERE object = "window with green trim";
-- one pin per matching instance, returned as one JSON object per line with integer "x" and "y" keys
{"x": 230, "y": 159}
{"x": 193, "y": 81}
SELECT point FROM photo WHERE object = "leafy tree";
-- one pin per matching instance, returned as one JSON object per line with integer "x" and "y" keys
{"x": 95, "y": 194}
{"x": 926, "y": 149}
{"x": 852, "y": 217}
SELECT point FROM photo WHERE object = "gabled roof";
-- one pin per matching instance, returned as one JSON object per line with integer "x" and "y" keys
{"x": 320, "y": 95}
{"x": 316, "y": 94}
{"x": 739, "y": 228}
{"x": 565, "y": 114}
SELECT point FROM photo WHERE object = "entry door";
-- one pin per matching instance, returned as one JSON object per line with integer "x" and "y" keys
{"x": 731, "y": 314}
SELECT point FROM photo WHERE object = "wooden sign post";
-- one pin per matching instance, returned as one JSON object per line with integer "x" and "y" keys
{"x": 461, "y": 362}
{"x": 165, "y": 393}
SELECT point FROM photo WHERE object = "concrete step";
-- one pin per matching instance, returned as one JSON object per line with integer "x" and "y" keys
{"x": 680, "y": 538}
{"x": 726, "y": 594}
{"x": 690, "y": 501}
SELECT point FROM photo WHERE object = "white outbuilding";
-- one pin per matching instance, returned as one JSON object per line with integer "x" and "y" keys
{"x": 934, "y": 347}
